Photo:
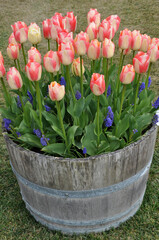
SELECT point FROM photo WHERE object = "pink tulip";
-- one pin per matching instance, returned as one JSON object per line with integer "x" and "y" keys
{"x": 66, "y": 53}
{"x": 127, "y": 74}
{"x": 76, "y": 67}
{"x": 47, "y": 28}
{"x": 12, "y": 40}
{"x": 92, "y": 31}
{"x": 108, "y": 48}
{"x": 57, "y": 25}
{"x": 20, "y": 31}
{"x": 125, "y": 39}
{"x": 14, "y": 79}
{"x": 56, "y": 91}
{"x": 94, "y": 49}
{"x": 81, "y": 43}
{"x": 115, "y": 21}
{"x": 106, "y": 30}
{"x": 155, "y": 40}
{"x": 13, "y": 51}
{"x": 34, "y": 55}
{"x": 136, "y": 40}
{"x": 141, "y": 62}
{"x": 51, "y": 61}
{"x": 70, "y": 22}
{"x": 97, "y": 84}
{"x": 1, "y": 58}
{"x": 33, "y": 71}
{"x": 145, "y": 43}
{"x": 93, "y": 16}
{"x": 34, "y": 33}
{"x": 64, "y": 36}
{"x": 2, "y": 69}
{"x": 153, "y": 52}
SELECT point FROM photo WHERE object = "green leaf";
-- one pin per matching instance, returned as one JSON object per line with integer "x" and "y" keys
{"x": 35, "y": 117}
{"x": 6, "y": 113}
{"x": 23, "y": 128}
{"x": 71, "y": 134}
{"x": 58, "y": 148}
{"x": 143, "y": 121}
{"x": 78, "y": 107}
{"x": 26, "y": 114}
{"x": 14, "y": 106}
{"x": 31, "y": 140}
{"x": 101, "y": 119}
{"x": 89, "y": 139}
{"x": 122, "y": 126}
{"x": 114, "y": 145}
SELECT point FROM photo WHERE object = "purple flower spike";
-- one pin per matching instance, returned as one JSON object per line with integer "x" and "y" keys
{"x": 84, "y": 150}
{"x": 37, "y": 132}
{"x": 44, "y": 140}
{"x": 62, "y": 81}
{"x": 78, "y": 95}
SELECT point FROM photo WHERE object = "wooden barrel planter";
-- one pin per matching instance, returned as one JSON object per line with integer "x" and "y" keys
{"x": 83, "y": 195}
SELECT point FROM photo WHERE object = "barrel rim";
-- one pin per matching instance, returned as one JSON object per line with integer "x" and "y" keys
{"x": 53, "y": 158}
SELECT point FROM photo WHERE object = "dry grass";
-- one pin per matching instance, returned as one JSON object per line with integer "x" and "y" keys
{"x": 16, "y": 223}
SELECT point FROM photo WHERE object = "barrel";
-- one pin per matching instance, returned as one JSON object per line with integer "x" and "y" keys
{"x": 83, "y": 195}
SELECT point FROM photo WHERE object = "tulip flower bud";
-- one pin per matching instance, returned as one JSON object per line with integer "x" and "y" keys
{"x": 136, "y": 40}
{"x": 47, "y": 28}
{"x": 66, "y": 53}
{"x": 76, "y": 67}
{"x": 81, "y": 43}
{"x": 34, "y": 33}
{"x": 115, "y": 21}
{"x": 127, "y": 74}
{"x": 64, "y": 36}
{"x": 125, "y": 39}
{"x": 34, "y": 55}
{"x": 2, "y": 70}
{"x": 92, "y": 31}
{"x": 56, "y": 91}
{"x": 12, "y": 40}
{"x": 97, "y": 84}
{"x": 57, "y": 25}
{"x": 51, "y": 61}
{"x": 20, "y": 31}
{"x": 13, "y": 51}
{"x": 33, "y": 71}
{"x": 70, "y": 22}
{"x": 94, "y": 49}
{"x": 155, "y": 40}
{"x": 108, "y": 48}
{"x": 106, "y": 30}
{"x": 1, "y": 58}
{"x": 153, "y": 52}
{"x": 14, "y": 79}
{"x": 145, "y": 43}
{"x": 141, "y": 62}
{"x": 93, "y": 16}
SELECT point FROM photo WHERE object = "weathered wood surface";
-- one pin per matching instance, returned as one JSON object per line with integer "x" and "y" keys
{"x": 84, "y": 195}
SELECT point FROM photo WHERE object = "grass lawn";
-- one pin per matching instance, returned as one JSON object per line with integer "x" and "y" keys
{"x": 15, "y": 220}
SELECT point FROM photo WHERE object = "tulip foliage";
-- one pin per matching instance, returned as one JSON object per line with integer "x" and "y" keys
{"x": 64, "y": 108}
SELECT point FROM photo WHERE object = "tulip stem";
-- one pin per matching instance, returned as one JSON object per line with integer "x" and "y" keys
{"x": 15, "y": 64}
{"x": 21, "y": 100}
{"x": 93, "y": 66}
{"x": 18, "y": 65}
{"x": 98, "y": 136}
{"x": 61, "y": 121}
{"x": 81, "y": 79}
{"x": 122, "y": 99}
{"x": 136, "y": 94}
{"x": 119, "y": 69}
{"x": 24, "y": 54}
{"x": 39, "y": 105}
{"x": 105, "y": 66}
{"x": 69, "y": 81}
{"x": 133, "y": 53}
{"x": 6, "y": 94}
{"x": 57, "y": 76}
{"x": 52, "y": 76}
{"x": 148, "y": 74}
{"x": 36, "y": 45}
{"x": 56, "y": 46}
{"x": 48, "y": 41}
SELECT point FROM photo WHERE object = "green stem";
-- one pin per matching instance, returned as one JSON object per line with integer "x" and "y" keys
{"x": 24, "y": 54}
{"x": 148, "y": 74}
{"x": 122, "y": 62}
{"x": 39, "y": 104}
{"x": 133, "y": 53}
{"x": 61, "y": 121}
{"x": 52, "y": 76}
{"x": 48, "y": 41}
{"x": 57, "y": 76}
{"x": 98, "y": 136}
{"x": 118, "y": 79}
{"x": 7, "y": 98}
{"x": 15, "y": 64}
{"x": 105, "y": 65}
{"x": 56, "y": 46}
{"x": 93, "y": 66}
{"x": 122, "y": 99}
{"x": 18, "y": 65}
{"x": 68, "y": 80}
{"x": 36, "y": 45}
{"x": 81, "y": 79}
{"x": 20, "y": 96}
{"x": 111, "y": 61}
{"x": 136, "y": 94}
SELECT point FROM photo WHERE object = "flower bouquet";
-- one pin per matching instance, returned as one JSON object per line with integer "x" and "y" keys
{"x": 63, "y": 108}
